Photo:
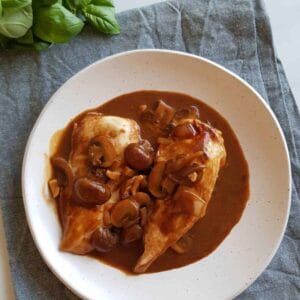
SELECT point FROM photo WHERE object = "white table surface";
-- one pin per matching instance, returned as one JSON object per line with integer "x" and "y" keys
{"x": 285, "y": 20}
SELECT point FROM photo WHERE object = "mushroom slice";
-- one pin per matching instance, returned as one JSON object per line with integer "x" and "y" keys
{"x": 101, "y": 151}
{"x": 190, "y": 112}
{"x": 62, "y": 165}
{"x": 163, "y": 114}
{"x": 103, "y": 239}
{"x": 54, "y": 187}
{"x": 175, "y": 215}
{"x": 131, "y": 186}
{"x": 88, "y": 192}
{"x": 132, "y": 233}
{"x": 142, "y": 199}
{"x": 185, "y": 130}
{"x": 156, "y": 178}
{"x": 124, "y": 212}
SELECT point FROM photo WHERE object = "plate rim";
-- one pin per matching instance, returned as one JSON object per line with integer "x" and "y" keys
{"x": 69, "y": 285}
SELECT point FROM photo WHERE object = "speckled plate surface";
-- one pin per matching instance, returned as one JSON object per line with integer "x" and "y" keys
{"x": 247, "y": 250}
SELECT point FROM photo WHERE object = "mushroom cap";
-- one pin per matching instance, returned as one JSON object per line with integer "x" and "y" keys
{"x": 123, "y": 212}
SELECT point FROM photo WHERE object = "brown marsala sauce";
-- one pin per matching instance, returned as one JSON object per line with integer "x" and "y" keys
{"x": 228, "y": 200}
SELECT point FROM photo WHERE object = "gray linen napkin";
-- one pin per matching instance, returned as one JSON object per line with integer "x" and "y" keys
{"x": 235, "y": 34}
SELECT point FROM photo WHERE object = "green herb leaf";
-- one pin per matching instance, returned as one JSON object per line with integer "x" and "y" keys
{"x": 29, "y": 42}
{"x": 47, "y": 2}
{"x": 26, "y": 42}
{"x": 108, "y": 3}
{"x": 37, "y": 46}
{"x": 37, "y": 3}
{"x": 15, "y": 3}
{"x": 75, "y": 5}
{"x": 101, "y": 15}
{"x": 56, "y": 24}
{"x": 14, "y": 23}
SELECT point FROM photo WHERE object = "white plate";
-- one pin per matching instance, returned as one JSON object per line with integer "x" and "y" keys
{"x": 248, "y": 249}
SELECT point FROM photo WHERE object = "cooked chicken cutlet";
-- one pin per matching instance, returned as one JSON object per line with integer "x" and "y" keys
{"x": 173, "y": 216}
{"x": 119, "y": 131}
{"x": 80, "y": 222}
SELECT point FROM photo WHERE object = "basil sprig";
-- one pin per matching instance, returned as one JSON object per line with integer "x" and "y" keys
{"x": 37, "y": 24}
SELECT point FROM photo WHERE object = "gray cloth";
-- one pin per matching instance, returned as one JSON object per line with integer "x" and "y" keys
{"x": 235, "y": 34}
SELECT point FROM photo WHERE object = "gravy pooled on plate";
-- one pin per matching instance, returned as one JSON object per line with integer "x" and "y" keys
{"x": 148, "y": 181}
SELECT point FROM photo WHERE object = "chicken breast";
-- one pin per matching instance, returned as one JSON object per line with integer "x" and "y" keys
{"x": 80, "y": 222}
{"x": 120, "y": 131}
{"x": 173, "y": 217}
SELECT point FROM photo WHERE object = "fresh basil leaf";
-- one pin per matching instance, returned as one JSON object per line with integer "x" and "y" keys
{"x": 47, "y": 2}
{"x": 0, "y": 8}
{"x": 15, "y": 3}
{"x": 70, "y": 6}
{"x": 14, "y": 23}
{"x": 108, "y": 3}
{"x": 38, "y": 46}
{"x": 37, "y": 3}
{"x": 29, "y": 42}
{"x": 101, "y": 15}
{"x": 56, "y": 24}
{"x": 41, "y": 46}
{"x": 75, "y": 5}
{"x": 26, "y": 42}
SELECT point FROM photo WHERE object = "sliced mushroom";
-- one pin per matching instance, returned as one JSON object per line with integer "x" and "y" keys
{"x": 103, "y": 239}
{"x": 101, "y": 152}
{"x": 194, "y": 167}
{"x": 168, "y": 185}
{"x": 139, "y": 156}
{"x": 54, "y": 187}
{"x": 89, "y": 192}
{"x": 185, "y": 131}
{"x": 163, "y": 114}
{"x": 113, "y": 175}
{"x": 132, "y": 222}
{"x": 142, "y": 199}
{"x": 187, "y": 175}
{"x": 190, "y": 112}
{"x": 131, "y": 186}
{"x": 181, "y": 161}
{"x": 124, "y": 212}
{"x": 62, "y": 165}
{"x": 132, "y": 233}
{"x": 155, "y": 179}
{"x": 129, "y": 172}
